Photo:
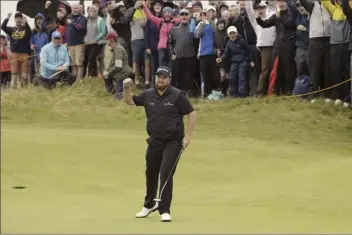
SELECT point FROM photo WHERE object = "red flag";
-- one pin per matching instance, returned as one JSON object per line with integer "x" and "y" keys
{"x": 273, "y": 76}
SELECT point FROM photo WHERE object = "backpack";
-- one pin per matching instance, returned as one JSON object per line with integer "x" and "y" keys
{"x": 301, "y": 85}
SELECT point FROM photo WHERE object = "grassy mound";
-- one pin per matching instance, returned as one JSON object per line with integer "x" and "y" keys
{"x": 89, "y": 106}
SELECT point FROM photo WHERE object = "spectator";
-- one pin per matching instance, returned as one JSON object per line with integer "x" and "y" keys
{"x": 246, "y": 30}
{"x": 53, "y": 26}
{"x": 151, "y": 39}
{"x": 265, "y": 42}
{"x": 347, "y": 10}
{"x": 220, "y": 41}
{"x": 339, "y": 42}
{"x": 118, "y": 68}
{"x": 5, "y": 66}
{"x": 54, "y": 59}
{"x": 76, "y": 30}
{"x": 103, "y": 13}
{"x": 20, "y": 45}
{"x": 96, "y": 31}
{"x": 182, "y": 51}
{"x": 207, "y": 56}
{"x": 319, "y": 46}
{"x": 284, "y": 46}
{"x": 38, "y": 40}
{"x": 241, "y": 57}
{"x": 302, "y": 41}
{"x": 165, "y": 25}
{"x": 119, "y": 22}
{"x": 137, "y": 24}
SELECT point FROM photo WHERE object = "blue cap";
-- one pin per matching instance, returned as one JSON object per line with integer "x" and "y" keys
{"x": 56, "y": 34}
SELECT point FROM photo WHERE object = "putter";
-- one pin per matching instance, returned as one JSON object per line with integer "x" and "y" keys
{"x": 167, "y": 179}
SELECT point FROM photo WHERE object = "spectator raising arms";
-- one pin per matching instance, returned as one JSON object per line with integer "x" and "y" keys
{"x": 20, "y": 36}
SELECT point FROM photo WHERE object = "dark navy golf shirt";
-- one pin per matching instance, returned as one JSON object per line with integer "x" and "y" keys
{"x": 164, "y": 112}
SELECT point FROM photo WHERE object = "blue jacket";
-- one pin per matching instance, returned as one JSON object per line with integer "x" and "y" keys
{"x": 39, "y": 38}
{"x": 206, "y": 34}
{"x": 238, "y": 51}
{"x": 151, "y": 36}
{"x": 76, "y": 30}
{"x": 302, "y": 36}
{"x": 51, "y": 57}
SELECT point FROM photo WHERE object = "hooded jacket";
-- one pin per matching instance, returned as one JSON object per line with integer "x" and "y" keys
{"x": 238, "y": 51}
{"x": 286, "y": 27}
{"x": 101, "y": 29}
{"x": 39, "y": 37}
{"x": 220, "y": 36}
{"x": 340, "y": 29}
{"x": 163, "y": 26}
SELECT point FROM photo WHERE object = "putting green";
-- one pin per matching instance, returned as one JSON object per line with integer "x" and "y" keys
{"x": 92, "y": 181}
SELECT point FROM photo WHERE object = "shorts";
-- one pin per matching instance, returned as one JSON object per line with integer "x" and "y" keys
{"x": 77, "y": 55}
{"x": 19, "y": 63}
{"x": 138, "y": 50}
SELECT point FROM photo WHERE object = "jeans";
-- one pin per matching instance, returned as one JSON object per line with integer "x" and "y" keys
{"x": 117, "y": 89}
{"x": 238, "y": 79}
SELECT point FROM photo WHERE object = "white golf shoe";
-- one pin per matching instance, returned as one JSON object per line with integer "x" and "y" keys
{"x": 145, "y": 211}
{"x": 166, "y": 217}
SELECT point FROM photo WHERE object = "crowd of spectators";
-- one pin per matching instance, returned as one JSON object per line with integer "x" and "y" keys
{"x": 237, "y": 49}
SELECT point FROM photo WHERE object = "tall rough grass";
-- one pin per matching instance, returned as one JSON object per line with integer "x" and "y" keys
{"x": 87, "y": 105}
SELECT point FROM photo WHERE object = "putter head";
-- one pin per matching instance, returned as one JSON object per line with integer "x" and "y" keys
{"x": 157, "y": 199}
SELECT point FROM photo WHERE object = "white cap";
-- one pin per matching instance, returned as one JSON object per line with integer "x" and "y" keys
{"x": 189, "y": 5}
{"x": 231, "y": 29}
{"x": 211, "y": 8}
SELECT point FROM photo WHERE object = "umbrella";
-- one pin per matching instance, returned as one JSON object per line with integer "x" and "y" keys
{"x": 273, "y": 77}
{"x": 32, "y": 7}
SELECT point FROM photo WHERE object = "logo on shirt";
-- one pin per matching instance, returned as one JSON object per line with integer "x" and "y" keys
{"x": 168, "y": 104}
{"x": 151, "y": 103}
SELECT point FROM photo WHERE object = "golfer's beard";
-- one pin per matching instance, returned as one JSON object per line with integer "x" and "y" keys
{"x": 161, "y": 87}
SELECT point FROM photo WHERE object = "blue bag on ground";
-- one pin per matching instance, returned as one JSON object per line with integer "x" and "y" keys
{"x": 301, "y": 85}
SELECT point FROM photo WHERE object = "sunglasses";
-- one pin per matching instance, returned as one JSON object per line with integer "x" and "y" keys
{"x": 57, "y": 38}
{"x": 183, "y": 14}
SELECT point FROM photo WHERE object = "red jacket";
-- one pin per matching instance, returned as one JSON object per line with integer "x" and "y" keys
{"x": 5, "y": 65}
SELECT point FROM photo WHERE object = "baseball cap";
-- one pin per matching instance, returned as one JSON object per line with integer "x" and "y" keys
{"x": 185, "y": 11}
{"x": 231, "y": 29}
{"x": 211, "y": 8}
{"x": 111, "y": 35}
{"x": 56, "y": 34}
{"x": 163, "y": 70}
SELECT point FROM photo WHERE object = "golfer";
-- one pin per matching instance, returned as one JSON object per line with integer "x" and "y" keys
{"x": 165, "y": 107}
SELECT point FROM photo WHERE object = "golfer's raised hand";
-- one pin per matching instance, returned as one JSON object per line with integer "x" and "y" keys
{"x": 185, "y": 142}
{"x": 9, "y": 15}
{"x": 127, "y": 83}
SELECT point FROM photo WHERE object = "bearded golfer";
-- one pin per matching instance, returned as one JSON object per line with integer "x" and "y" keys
{"x": 165, "y": 107}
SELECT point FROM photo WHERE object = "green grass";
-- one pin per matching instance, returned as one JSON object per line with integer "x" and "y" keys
{"x": 254, "y": 166}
